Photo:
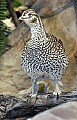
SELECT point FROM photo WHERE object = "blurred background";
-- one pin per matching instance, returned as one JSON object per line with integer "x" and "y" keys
{"x": 59, "y": 18}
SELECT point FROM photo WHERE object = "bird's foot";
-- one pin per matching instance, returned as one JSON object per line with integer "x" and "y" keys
{"x": 57, "y": 95}
{"x": 33, "y": 98}
{"x": 57, "y": 91}
{"x": 33, "y": 95}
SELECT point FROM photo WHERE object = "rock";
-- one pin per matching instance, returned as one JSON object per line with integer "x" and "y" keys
{"x": 11, "y": 107}
{"x": 29, "y": 3}
{"x": 67, "y": 111}
{"x": 58, "y": 24}
{"x": 14, "y": 108}
{"x": 12, "y": 77}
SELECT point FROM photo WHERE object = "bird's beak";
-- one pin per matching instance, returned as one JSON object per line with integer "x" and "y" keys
{"x": 20, "y": 18}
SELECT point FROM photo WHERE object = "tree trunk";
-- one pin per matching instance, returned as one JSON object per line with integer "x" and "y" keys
{"x": 12, "y": 12}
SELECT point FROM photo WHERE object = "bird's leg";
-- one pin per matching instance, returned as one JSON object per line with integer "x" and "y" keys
{"x": 57, "y": 90}
{"x": 46, "y": 88}
{"x": 35, "y": 88}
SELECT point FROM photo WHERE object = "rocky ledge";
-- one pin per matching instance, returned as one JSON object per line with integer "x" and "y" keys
{"x": 12, "y": 108}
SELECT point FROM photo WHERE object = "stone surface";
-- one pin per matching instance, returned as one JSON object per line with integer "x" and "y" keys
{"x": 12, "y": 77}
{"x": 14, "y": 108}
{"x": 29, "y": 3}
{"x": 67, "y": 111}
{"x": 63, "y": 25}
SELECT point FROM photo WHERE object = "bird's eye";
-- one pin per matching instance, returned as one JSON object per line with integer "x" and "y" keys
{"x": 30, "y": 14}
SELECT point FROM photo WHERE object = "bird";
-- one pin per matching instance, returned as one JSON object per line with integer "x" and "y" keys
{"x": 44, "y": 56}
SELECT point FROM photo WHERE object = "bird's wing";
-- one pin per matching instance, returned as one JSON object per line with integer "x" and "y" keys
{"x": 56, "y": 42}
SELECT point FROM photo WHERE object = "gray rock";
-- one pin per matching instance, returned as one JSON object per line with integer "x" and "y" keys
{"x": 67, "y": 111}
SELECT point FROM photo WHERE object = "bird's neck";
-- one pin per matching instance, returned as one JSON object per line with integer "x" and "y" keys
{"x": 38, "y": 33}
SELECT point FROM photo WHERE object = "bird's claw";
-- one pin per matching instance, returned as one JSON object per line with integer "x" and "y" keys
{"x": 33, "y": 95}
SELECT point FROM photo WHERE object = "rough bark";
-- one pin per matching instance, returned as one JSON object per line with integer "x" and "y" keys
{"x": 12, "y": 12}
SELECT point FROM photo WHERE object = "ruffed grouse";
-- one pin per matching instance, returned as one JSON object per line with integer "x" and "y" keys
{"x": 44, "y": 56}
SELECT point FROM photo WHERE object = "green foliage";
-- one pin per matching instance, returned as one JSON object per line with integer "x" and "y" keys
{"x": 3, "y": 38}
{"x": 18, "y": 3}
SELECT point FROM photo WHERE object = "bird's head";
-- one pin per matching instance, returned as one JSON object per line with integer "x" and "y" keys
{"x": 30, "y": 17}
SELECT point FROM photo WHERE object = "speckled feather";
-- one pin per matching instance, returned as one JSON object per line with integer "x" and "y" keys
{"x": 44, "y": 56}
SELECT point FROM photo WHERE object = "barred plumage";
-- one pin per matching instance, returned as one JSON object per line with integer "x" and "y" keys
{"x": 44, "y": 56}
